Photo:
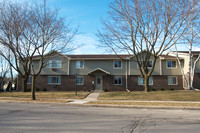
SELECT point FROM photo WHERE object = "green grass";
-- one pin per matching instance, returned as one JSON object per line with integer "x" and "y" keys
{"x": 46, "y": 95}
{"x": 151, "y": 96}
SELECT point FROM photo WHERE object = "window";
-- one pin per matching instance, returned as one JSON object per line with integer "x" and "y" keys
{"x": 141, "y": 80}
{"x": 149, "y": 63}
{"x": 118, "y": 80}
{"x": 98, "y": 81}
{"x": 79, "y": 64}
{"x": 29, "y": 80}
{"x": 172, "y": 80}
{"x": 171, "y": 64}
{"x": 54, "y": 80}
{"x": 54, "y": 64}
{"x": 117, "y": 64}
{"x": 79, "y": 80}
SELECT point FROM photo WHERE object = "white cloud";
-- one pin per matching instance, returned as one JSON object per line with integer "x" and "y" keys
{"x": 185, "y": 48}
{"x": 89, "y": 45}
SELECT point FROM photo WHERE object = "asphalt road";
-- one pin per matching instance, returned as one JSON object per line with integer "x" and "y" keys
{"x": 45, "y": 118}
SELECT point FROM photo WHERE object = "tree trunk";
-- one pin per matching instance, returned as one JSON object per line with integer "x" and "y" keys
{"x": 189, "y": 64}
{"x": 146, "y": 83}
{"x": 24, "y": 85}
{"x": 1, "y": 85}
{"x": 11, "y": 78}
{"x": 33, "y": 87}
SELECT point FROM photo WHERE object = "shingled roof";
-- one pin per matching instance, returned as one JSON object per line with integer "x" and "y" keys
{"x": 168, "y": 56}
{"x": 193, "y": 52}
{"x": 103, "y": 56}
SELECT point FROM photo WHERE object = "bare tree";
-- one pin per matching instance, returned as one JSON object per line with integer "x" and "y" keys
{"x": 4, "y": 69}
{"x": 145, "y": 29}
{"x": 29, "y": 30}
{"x": 191, "y": 38}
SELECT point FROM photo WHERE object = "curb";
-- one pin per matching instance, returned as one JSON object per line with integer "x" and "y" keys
{"x": 108, "y": 105}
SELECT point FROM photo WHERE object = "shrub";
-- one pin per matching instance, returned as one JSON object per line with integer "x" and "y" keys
{"x": 162, "y": 89}
{"x": 171, "y": 89}
{"x": 153, "y": 89}
{"x": 37, "y": 89}
{"x": 105, "y": 90}
{"x": 85, "y": 89}
{"x": 44, "y": 89}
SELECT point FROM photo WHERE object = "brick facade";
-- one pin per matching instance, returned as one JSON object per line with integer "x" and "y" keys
{"x": 108, "y": 83}
{"x": 159, "y": 82}
{"x": 196, "y": 82}
{"x": 68, "y": 83}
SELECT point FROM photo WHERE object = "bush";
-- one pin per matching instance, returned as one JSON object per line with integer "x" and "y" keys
{"x": 37, "y": 89}
{"x": 153, "y": 89}
{"x": 171, "y": 89}
{"x": 85, "y": 89}
{"x": 162, "y": 89}
{"x": 44, "y": 89}
{"x": 105, "y": 90}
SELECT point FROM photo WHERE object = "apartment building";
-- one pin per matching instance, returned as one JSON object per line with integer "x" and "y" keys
{"x": 108, "y": 72}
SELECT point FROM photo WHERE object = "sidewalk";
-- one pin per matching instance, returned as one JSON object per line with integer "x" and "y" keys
{"x": 91, "y": 97}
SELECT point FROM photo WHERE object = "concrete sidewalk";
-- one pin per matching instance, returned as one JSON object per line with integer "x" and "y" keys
{"x": 93, "y": 96}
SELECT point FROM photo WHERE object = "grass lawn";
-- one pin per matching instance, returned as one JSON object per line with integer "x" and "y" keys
{"x": 152, "y": 96}
{"x": 46, "y": 95}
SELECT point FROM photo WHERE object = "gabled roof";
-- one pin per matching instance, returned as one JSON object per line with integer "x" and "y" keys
{"x": 50, "y": 54}
{"x": 169, "y": 57}
{"x": 187, "y": 52}
{"x": 98, "y": 69}
{"x": 103, "y": 56}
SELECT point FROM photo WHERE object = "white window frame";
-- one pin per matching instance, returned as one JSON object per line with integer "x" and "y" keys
{"x": 53, "y": 83}
{"x": 78, "y": 66}
{"x": 140, "y": 78}
{"x": 77, "y": 83}
{"x": 29, "y": 77}
{"x": 172, "y": 66}
{"x": 114, "y": 64}
{"x": 58, "y": 64}
{"x": 147, "y": 67}
{"x": 172, "y": 77}
{"x": 117, "y": 77}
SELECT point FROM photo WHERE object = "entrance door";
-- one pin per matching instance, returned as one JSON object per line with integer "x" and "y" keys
{"x": 98, "y": 83}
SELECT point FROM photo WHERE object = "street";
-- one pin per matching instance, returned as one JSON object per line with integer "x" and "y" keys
{"x": 47, "y": 118}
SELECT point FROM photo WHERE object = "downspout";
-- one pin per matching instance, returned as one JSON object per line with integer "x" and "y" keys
{"x": 68, "y": 65}
{"x": 160, "y": 67}
{"x": 17, "y": 87}
{"x": 127, "y": 75}
{"x": 129, "y": 66}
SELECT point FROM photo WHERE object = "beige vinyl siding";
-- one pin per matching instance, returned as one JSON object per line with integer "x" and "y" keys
{"x": 90, "y": 65}
{"x": 170, "y": 71}
{"x": 57, "y": 71}
{"x": 185, "y": 63}
{"x": 134, "y": 70}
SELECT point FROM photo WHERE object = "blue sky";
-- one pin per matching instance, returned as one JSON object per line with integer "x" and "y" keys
{"x": 87, "y": 15}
